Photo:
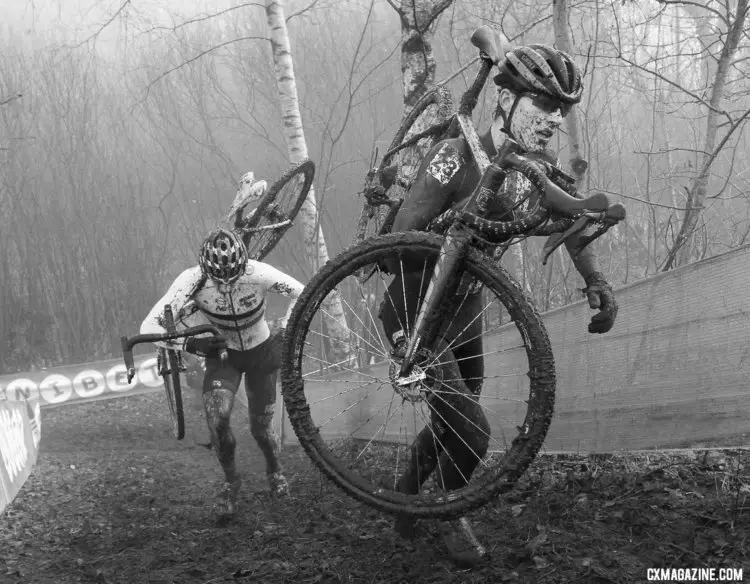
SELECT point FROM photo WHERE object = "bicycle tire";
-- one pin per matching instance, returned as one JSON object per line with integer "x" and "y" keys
{"x": 375, "y": 219}
{"x": 169, "y": 369}
{"x": 261, "y": 243}
{"x": 540, "y": 373}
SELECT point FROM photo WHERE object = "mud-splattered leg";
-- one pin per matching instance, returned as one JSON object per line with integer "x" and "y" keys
{"x": 218, "y": 405}
{"x": 261, "y": 399}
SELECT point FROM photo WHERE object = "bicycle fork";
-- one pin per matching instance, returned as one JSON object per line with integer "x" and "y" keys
{"x": 442, "y": 281}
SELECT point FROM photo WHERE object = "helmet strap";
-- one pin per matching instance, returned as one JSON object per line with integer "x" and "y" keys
{"x": 509, "y": 117}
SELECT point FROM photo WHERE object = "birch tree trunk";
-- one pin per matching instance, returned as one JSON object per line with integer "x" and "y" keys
{"x": 294, "y": 136}
{"x": 560, "y": 17}
{"x": 682, "y": 249}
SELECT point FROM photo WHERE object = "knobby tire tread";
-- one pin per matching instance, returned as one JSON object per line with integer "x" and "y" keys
{"x": 307, "y": 168}
{"x": 172, "y": 385}
{"x": 539, "y": 352}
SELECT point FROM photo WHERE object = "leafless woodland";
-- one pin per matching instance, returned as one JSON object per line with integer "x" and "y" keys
{"x": 121, "y": 140}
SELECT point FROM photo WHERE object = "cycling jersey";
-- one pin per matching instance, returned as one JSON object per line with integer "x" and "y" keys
{"x": 448, "y": 176}
{"x": 237, "y": 309}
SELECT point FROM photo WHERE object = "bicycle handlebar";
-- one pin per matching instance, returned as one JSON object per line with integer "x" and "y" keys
{"x": 594, "y": 209}
{"x": 129, "y": 343}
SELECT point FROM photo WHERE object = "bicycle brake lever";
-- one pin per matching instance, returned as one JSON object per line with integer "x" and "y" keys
{"x": 606, "y": 220}
{"x": 557, "y": 239}
{"x": 127, "y": 353}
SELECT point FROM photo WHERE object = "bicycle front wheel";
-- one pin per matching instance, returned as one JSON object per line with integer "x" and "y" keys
{"x": 169, "y": 368}
{"x": 169, "y": 365}
{"x": 276, "y": 211}
{"x": 366, "y": 429}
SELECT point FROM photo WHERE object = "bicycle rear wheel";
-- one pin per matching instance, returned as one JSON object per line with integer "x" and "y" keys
{"x": 276, "y": 211}
{"x": 169, "y": 366}
{"x": 426, "y": 119}
{"x": 359, "y": 424}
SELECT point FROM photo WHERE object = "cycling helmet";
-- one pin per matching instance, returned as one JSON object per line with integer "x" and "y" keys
{"x": 541, "y": 69}
{"x": 223, "y": 256}
{"x": 547, "y": 73}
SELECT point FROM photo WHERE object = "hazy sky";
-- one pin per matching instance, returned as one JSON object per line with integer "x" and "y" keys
{"x": 42, "y": 21}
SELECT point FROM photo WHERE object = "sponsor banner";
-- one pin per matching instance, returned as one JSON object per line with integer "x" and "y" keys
{"x": 20, "y": 432}
{"x": 78, "y": 383}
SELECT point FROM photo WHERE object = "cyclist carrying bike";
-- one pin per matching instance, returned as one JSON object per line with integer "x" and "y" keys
{"x": 228, "y": 290}
{"x": 537, "y": 86}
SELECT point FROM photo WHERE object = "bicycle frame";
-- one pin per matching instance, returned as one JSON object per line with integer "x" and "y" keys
{"x": 443, "y": 281}
{"x": 458, "y": 238}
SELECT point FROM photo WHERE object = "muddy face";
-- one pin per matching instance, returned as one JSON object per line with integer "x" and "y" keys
{"x": 532, "y": 126}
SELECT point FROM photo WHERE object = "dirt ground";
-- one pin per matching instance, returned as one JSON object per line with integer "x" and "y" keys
{"x": 115, "y": 499}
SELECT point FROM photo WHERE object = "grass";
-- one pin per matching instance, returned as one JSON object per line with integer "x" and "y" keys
{"x": 115, "y": 499}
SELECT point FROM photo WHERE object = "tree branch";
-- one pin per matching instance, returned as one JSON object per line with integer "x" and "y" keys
{"x": 10, "y": 99}
{"x": 203, "y": 18}
{"x": 649, "y": 203}
{"x": 301, "y": 11}
{"x": 437, "y": 9}
{"x": 696, "y": 4}
{"x": 198, "y": 56}
{"x": 396, "y": 8}
{"x": 673, "y": 84}
{"x": 101, "y": 28}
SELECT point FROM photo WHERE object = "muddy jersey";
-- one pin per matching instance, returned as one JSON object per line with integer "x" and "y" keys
{"x": 447, "y": 178}
{"x": 238, "y": 310}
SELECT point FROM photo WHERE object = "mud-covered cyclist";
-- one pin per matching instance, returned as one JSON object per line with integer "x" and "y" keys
{"x": 537, "y": 86}
{"x": 228, "y": 290}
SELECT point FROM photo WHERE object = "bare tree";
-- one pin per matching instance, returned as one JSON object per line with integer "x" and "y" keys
{"x": 734, "y": 27}
{"x": 295, "y": 138}
{"x": 560, "y": 11}
{"x": 418, "y": 22}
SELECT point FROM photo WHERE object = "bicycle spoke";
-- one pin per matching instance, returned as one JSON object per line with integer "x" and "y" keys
{"x": 386, "y": 432}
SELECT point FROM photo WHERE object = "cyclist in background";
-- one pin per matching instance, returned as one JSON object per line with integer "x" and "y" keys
{"x": 228, "y": 291}
{"x": 537, "y": 86}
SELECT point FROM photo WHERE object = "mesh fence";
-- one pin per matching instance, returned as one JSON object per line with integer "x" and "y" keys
{"x": 673, "y": 372}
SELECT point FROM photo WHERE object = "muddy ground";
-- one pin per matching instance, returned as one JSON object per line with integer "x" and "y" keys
{"x": 115, "y": 499}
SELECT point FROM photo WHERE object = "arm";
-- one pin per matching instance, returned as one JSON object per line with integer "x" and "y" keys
{"x": 598, "y": 291}
{"x": 184, "y": 310}
{"x": 277, "y": 281}
{"x": 441, "y": 170}
{"x": 586, "y": 263}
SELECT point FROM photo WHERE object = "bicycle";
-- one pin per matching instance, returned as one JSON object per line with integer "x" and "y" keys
{"x": 169, "y": 364}
{"x": 453, "y": 269}
{"x": 265, "y": 225}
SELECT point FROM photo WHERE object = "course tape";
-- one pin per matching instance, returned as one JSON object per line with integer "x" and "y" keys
{"x": 80, "y": 383}
{"x": 20, "y": 433}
